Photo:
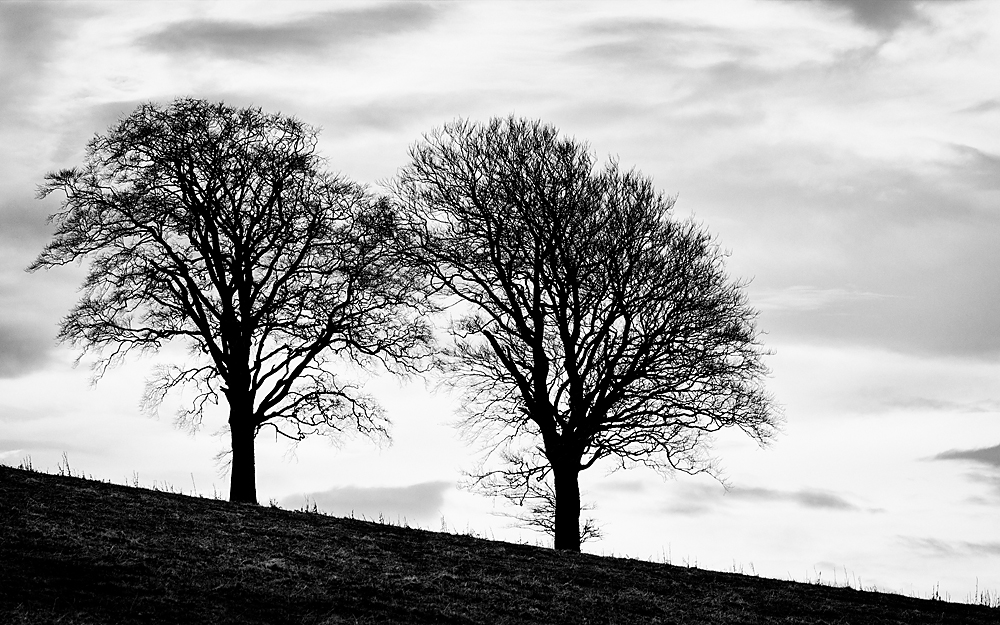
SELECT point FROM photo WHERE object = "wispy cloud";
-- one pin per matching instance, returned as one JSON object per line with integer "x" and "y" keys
{"x": 808, "y": 498}
{"x": 700, "y": 499}
{"x": 401, "y": 112}
{"x": 15, "y": 449}
{"x": 421, "y": 501}
{"x": 878, "y": 15}
{"x": 931, "y": 546}
{"x": 943, "y": 405}
{"x": 708, "y": 65}
{"x": 985, "y": 106}
{"x": 885, "y": 16}
{"x": 801, "y": 298}
{"x": 946, "y": 548}
{"x": 688, "y": 508}
{"x": 991, "y": 548}
{"x": 986, "y": 470}
{"x": 11, "y": 456}
{"x": 990, "y": 456}
{"x": 620, "y": 485}
{"x": 633, "y": 41}
{"x": 991, "y": 478}
{"x": 254, "y": 40}
{"x": 980, "y": 167}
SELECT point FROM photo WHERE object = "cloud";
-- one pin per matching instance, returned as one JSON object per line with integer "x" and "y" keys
{"x": 808, "y": 498}
{"x": 942, "y": 405}
{"x": 701, "y": 499}
{"x": 633, "y": 41}
{"x": 931, "y": 546}
{"x": 620, "y": 485}
{"x": 868, "y": 245}
{"x": 989, "y": 456}
{"x": 705, "y": 66}
{"x": 420, "y": 501}
{"x": 30, "y": 37}
{"x": 992, "y": 481}
{"x": 23, "y": 227}
{"x": 30, "y": 308}
{"x": 408, "y": 114}
{"x": 23, "y": 349}
{"x": 982, "y": 457}
{"x": 31, "y": 305}
{"x": 936, "y": 318}
{"x": 802, "y": 298}
{"x": 245, "y": 40}
{"x": 899, "y": 256}
{"x": 886, "y": 15}
{"x": 694, "y": 58}
{"x": 985, "y": 106}
{"x": 644, "y": 29}
{"x": 979, "y": 167}
{"x": 945, "y": 548}
{"x": 878, "y": 15}
{"x": 25, "y": 28}
{"x": 11, "y": 457}
{"x": 19, "y": 448}
{"x": 991, "y": 548}
{"x": 688, "y": 508}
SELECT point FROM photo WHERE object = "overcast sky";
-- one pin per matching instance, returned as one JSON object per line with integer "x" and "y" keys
{"x": 847, "y": 153}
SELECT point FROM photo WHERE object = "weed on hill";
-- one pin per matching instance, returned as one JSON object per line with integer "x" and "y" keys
{"x": 81, "y": 551}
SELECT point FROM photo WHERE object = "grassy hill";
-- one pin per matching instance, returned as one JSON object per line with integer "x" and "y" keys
{"x": 80, "y": 551}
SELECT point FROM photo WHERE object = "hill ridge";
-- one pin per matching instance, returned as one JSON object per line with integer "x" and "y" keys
{"x": 74, "y": 550}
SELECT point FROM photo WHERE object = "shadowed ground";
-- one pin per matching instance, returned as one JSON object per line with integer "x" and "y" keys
{"x": 80, "y": 551}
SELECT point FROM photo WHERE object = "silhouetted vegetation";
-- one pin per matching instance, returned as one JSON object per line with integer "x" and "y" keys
{"x": 594, "y": 325}
{"x": 218, "y": 227}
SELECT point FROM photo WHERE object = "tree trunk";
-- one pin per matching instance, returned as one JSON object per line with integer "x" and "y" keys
{"x": 567, "y": 521}
{"x": 243, "y": 482}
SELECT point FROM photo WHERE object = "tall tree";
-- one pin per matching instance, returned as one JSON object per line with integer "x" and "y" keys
{"x": 593, "y": 324}
{"x": 218, "y": 227}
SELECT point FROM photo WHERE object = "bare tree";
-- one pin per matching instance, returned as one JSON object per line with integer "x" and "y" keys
{"x": 593, "y": 325}
{"x": 218, "y": 227}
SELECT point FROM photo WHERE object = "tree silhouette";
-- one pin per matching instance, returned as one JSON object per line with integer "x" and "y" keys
{"x": 218, "y": 227}
{"x": 592, "y": 324}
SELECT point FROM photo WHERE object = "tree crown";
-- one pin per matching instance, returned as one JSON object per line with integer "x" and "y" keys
{"x": 595, "y": 322}
{"x": 220, "y": 227}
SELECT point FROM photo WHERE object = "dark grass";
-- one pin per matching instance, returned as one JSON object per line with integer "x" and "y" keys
{"x": 80, "y": 551}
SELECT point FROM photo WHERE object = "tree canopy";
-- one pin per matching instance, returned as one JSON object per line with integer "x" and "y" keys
{"x": 592, "y": 324}
{"x": 219, "y": 227}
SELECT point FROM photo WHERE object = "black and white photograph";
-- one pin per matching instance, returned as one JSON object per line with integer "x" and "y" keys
{"x": 500, "y": 311}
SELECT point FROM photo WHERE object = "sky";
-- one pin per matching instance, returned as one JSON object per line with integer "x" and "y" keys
{"x": 845, "y": 152}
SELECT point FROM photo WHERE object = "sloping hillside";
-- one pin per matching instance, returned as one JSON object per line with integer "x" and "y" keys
{"x": 79, "y": 551}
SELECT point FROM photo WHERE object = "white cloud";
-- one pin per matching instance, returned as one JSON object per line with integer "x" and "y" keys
{"x": 416, "y": 503}
{"x": 807, "y": 298}
{"x": 11, "y": 455}
{"x": 807, "y": 497}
